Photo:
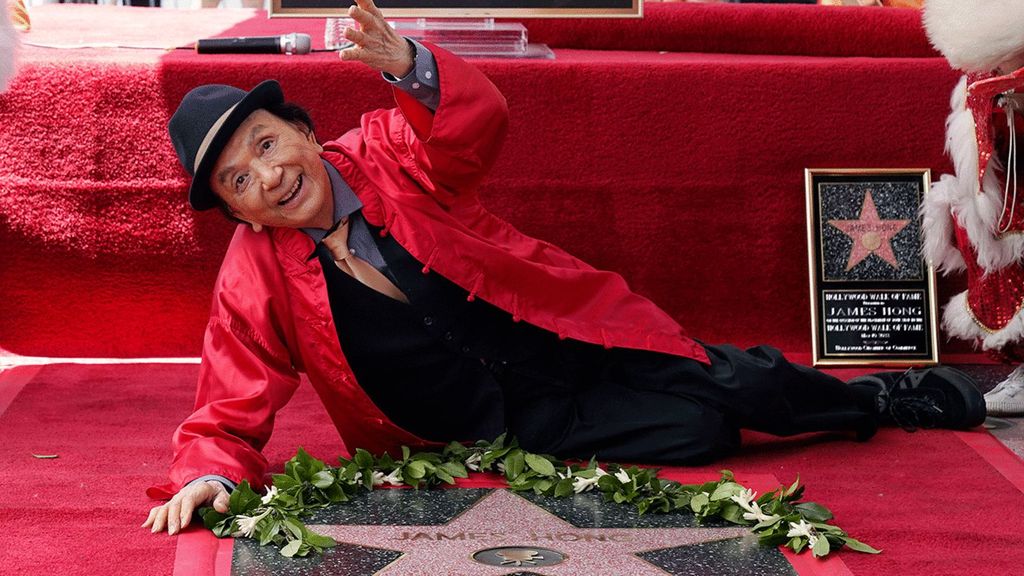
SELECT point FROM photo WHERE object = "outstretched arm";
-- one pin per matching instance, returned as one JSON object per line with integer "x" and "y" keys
{"x": 449, "y": 147}
{"x": 246, "y": 376}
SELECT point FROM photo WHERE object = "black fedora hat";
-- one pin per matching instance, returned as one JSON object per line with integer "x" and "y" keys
{"x": 203, "y": 124}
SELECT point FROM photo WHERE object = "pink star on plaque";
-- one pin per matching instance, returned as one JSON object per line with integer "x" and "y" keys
{"x": 870, "y": 234}
{"x": 504, "y": 533}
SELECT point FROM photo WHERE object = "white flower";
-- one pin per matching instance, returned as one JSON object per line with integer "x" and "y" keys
{"x": 623, "y": 476}
{"x": 394, "y": 478}
{"x": 757, "y": 515}
{"x": 745, "y": 499}
{"x": 377, "y": 478}
{"x": 501, "y": 467}
{"x": 583, "y": 484}
{"x": 587, "y": 484}
{"x": 271, "y": 494}
{"x": 473, "y": 462}
{"x": 803, "y": 529}
{"x": 247, "y": 524}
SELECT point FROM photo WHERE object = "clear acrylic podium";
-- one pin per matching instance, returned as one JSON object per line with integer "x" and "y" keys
{"x": 481, "y": 38}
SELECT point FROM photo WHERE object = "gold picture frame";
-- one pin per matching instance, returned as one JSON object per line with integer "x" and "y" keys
{"x": 872, "y": 294}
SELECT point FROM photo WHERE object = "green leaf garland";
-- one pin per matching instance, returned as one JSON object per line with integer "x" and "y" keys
{"x": 308, "y": 484}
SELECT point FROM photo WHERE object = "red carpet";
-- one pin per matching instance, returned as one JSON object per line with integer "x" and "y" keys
{"x": 937, "y": 502}
{"x": 683, "y": 171}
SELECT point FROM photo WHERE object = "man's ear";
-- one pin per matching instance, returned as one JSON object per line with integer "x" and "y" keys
{"x": 312, "y": 138}
{"x": 232, "y": 215}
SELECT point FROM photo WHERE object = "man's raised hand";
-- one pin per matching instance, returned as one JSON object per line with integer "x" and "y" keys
{"x": 376, "y": 43}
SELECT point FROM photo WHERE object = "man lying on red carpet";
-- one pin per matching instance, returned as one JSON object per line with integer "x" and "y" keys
{"x": 369, "y": 264}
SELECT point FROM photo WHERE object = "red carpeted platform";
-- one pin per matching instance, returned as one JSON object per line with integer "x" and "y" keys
{"x": 937, "y": 502}
{"x": 670, "y": 149}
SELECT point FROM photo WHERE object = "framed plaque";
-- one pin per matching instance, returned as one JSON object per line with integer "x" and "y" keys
{"x": 872, "y": 293}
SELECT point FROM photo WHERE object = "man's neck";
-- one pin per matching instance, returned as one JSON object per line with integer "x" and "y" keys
{"x": 342, "y": 202}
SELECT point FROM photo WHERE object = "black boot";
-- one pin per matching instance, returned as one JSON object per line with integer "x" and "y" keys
{"x": 937, "y": 397}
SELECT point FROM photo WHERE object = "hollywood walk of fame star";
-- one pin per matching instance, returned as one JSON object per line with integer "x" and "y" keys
{"x": 503, "y": 519}
{"x": 870, "y": 234}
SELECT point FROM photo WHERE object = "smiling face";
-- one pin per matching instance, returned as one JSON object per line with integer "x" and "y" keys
{"x": 270, "y": 174}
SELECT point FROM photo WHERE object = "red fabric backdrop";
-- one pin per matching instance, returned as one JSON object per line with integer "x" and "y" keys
{"x": 682, "y": 170}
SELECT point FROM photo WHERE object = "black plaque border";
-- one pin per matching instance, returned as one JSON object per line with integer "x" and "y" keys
{"x": 821, "y": 357}
{"x": 465, "y": 8}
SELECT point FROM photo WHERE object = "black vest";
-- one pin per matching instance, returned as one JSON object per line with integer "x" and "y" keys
{"x": 428, "y": 365}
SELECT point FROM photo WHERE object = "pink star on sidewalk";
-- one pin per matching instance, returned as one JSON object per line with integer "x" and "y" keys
{"x": 523, "y": 532}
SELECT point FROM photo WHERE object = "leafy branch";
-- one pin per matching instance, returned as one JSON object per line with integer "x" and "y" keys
{"x": 778, "y": 517}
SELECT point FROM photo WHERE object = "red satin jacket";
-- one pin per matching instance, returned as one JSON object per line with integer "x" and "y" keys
{"x": 417, "y": 173}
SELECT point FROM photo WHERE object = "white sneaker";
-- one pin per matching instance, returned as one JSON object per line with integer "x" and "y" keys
{"x": 1007, "y": 398}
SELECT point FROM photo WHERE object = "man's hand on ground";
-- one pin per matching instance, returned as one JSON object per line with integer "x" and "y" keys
{"x": 176, "y": 514}
{"x": 376, "y": 43}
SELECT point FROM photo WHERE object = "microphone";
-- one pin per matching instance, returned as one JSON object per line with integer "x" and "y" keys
{"x": 293, "y": 43}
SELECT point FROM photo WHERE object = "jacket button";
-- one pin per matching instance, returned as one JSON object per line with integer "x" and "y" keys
{"x": 448, "y": 336}
{"x": 428, "y": 320}
{"x": 465, "y": 349}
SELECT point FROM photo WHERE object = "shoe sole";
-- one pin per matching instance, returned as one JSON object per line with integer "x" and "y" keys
{"x": 1004, "y": 408}
{"x": 974, "y": 401}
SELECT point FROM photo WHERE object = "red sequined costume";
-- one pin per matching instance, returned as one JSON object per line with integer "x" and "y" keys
{"x": 974, "y": 221}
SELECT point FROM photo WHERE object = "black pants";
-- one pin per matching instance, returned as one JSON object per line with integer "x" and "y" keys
{"x": 581, "y": 400}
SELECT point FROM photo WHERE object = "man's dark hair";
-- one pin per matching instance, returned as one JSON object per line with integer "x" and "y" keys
{"x": 289, "y": 112}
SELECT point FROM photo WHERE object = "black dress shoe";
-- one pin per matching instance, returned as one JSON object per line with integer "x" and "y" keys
{"x": 936, "y": 397}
